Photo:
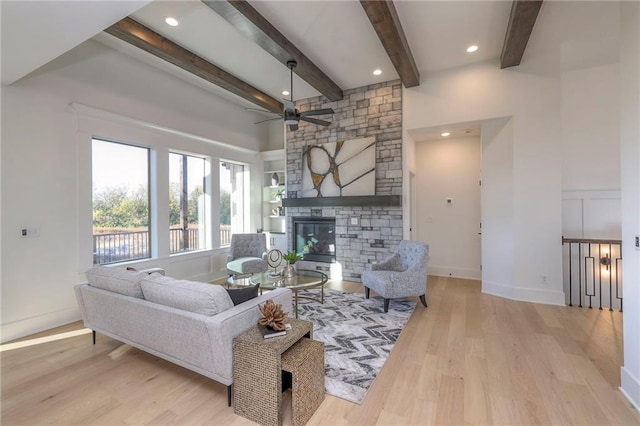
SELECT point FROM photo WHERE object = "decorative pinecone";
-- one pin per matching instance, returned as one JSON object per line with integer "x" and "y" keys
{"x": 273, "y": 315}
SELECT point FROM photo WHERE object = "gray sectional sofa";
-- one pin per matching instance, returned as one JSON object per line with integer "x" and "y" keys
{"x": 189, "y": 323}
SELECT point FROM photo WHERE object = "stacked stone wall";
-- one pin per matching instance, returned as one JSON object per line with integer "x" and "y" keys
{"x": 374, "y": 110}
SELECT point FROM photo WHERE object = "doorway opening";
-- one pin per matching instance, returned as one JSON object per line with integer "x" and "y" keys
{"x": 448, "y": 209}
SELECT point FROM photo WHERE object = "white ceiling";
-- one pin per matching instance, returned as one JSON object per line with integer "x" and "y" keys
{"x": 36, "y": 32}
{"x": 336, "y": 35}
{"x": 455, "y": 130}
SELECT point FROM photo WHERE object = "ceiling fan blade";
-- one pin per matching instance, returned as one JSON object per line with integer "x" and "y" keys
{"x": 323, "y": 111}
{"x": 315, "y": 121}
{"x": 268, "y": 119}
{"x": 289, "y": 105}
{"x": 260, "y": 110}
{"x": 293, "y": 127}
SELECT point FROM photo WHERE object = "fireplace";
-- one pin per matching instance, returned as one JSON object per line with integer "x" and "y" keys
{"x": 314, "y": 238}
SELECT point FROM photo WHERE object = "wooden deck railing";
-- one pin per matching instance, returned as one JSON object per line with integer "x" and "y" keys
{"x": 133, "y": 245}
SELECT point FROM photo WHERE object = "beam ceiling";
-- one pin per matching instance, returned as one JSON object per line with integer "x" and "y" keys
{"x": 249, "y": 22}
{"x": 521, "y": 21}
{"x": 144, "y": 38}
{"x": 385, "y": 21}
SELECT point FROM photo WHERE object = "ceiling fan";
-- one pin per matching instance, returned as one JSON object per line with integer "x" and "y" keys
{"x": 291, "y": 115}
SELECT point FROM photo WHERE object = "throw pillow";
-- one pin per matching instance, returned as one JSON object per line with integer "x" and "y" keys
{"x": 395, "y": 263}
{"x": 392, "y": 263}
{"x": 192, "y": 296}
{"x": 241, "y": 295}
{"x": 116, "y": 280}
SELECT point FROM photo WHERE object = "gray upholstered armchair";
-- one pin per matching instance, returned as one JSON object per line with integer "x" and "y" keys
{"x": 247, "y": 254}
{"x": 403, "y": 274}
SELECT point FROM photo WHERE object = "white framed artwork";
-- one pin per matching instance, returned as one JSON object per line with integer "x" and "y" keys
{"x": 339, "y": 169}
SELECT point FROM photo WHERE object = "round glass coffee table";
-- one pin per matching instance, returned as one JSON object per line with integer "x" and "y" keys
{"x": 304, "y": 279}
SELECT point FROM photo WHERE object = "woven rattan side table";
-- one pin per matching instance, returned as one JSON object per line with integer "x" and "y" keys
{"x": 305, "y": 362}
{"x": 257, "y": 372}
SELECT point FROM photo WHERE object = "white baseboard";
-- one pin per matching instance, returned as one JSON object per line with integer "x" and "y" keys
{"x": 445, "y": 271}
{"x": 532, "y": 295}
{"x": 25, "y": 327}
{"x": 630, "y": 387}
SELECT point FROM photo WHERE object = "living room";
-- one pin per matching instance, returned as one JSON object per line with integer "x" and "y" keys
{"x": 528, "y": 159}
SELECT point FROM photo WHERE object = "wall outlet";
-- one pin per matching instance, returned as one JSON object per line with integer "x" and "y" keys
{"x": 544, "y": 279}
{"x": 636, "y": 242}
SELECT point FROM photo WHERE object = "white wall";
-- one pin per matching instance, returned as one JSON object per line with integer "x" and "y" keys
{"x": 592, "y": 214}
{"x": 46, "y": 170}
{"x": 531, "y": 96}
{"x": 497, "y": 205}
{"x": 630, "y": 150}
{"x": 531, "y": 174}
{"x": 591, "y": 128}
{"x": 408, "y": 167}
{"x": 450, "y": 169}
{"x": 591, "y": 153}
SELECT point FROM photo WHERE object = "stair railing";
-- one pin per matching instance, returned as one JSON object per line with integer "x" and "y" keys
{"x": 592, "y": 265}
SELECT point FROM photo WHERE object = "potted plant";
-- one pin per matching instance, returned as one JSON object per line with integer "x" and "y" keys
{"x": 277, "y": 195}
{"x": 291, "y": 257}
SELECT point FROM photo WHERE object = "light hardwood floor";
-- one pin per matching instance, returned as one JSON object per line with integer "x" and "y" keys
{"x": 469, "y": 358}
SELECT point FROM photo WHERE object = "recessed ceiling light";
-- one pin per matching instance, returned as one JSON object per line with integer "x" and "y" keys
{"x": 377, "y": 72}
{"x": 445, "y": 134}
{"x": 472, "y": 48}
{"x": 171, "y": 21}
{"x": 285, "y": 92}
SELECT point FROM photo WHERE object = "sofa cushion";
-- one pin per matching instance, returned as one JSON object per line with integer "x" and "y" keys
{"x": 241, "y": 295}
{"x": 192, "y": 296}
{"x": 116, "y": 280}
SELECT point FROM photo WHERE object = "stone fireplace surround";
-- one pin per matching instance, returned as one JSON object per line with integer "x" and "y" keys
{"x": 364, "y": 233}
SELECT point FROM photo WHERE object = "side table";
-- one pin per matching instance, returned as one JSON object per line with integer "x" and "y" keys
{"x": 304, "y": 361}
{"x": 257, "y": 372}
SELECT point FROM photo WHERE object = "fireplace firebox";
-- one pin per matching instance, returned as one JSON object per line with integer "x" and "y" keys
{"x": 314, "y": 238}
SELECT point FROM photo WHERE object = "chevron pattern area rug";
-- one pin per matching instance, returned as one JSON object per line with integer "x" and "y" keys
{"x": 358, "y": 337}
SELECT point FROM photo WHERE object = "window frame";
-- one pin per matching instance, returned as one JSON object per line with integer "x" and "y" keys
{"x": 159, "y": 146}
{"x": 207, "y": 192}
{"x": 246, "y": 190}
{"x": 150, "y": 216}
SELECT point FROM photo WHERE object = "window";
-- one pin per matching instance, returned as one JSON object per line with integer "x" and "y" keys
{"x": 232, "y": 183}
{"x": 120, "y": 180}
{"x": 187, "y": 203}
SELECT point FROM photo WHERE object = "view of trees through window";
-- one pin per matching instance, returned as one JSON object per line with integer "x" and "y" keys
{"x": 121, "y": 202}
{"x": 187, "y": 206}
{"x": 231, "y": 200}
{"x": 120, "y": 181}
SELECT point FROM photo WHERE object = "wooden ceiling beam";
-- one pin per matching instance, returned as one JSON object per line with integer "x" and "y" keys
{"x": 521, "y": 21}
{"x": 385, "y": 21}
{"x": 249, "y": 22}
{"x": 146, "y": 39}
